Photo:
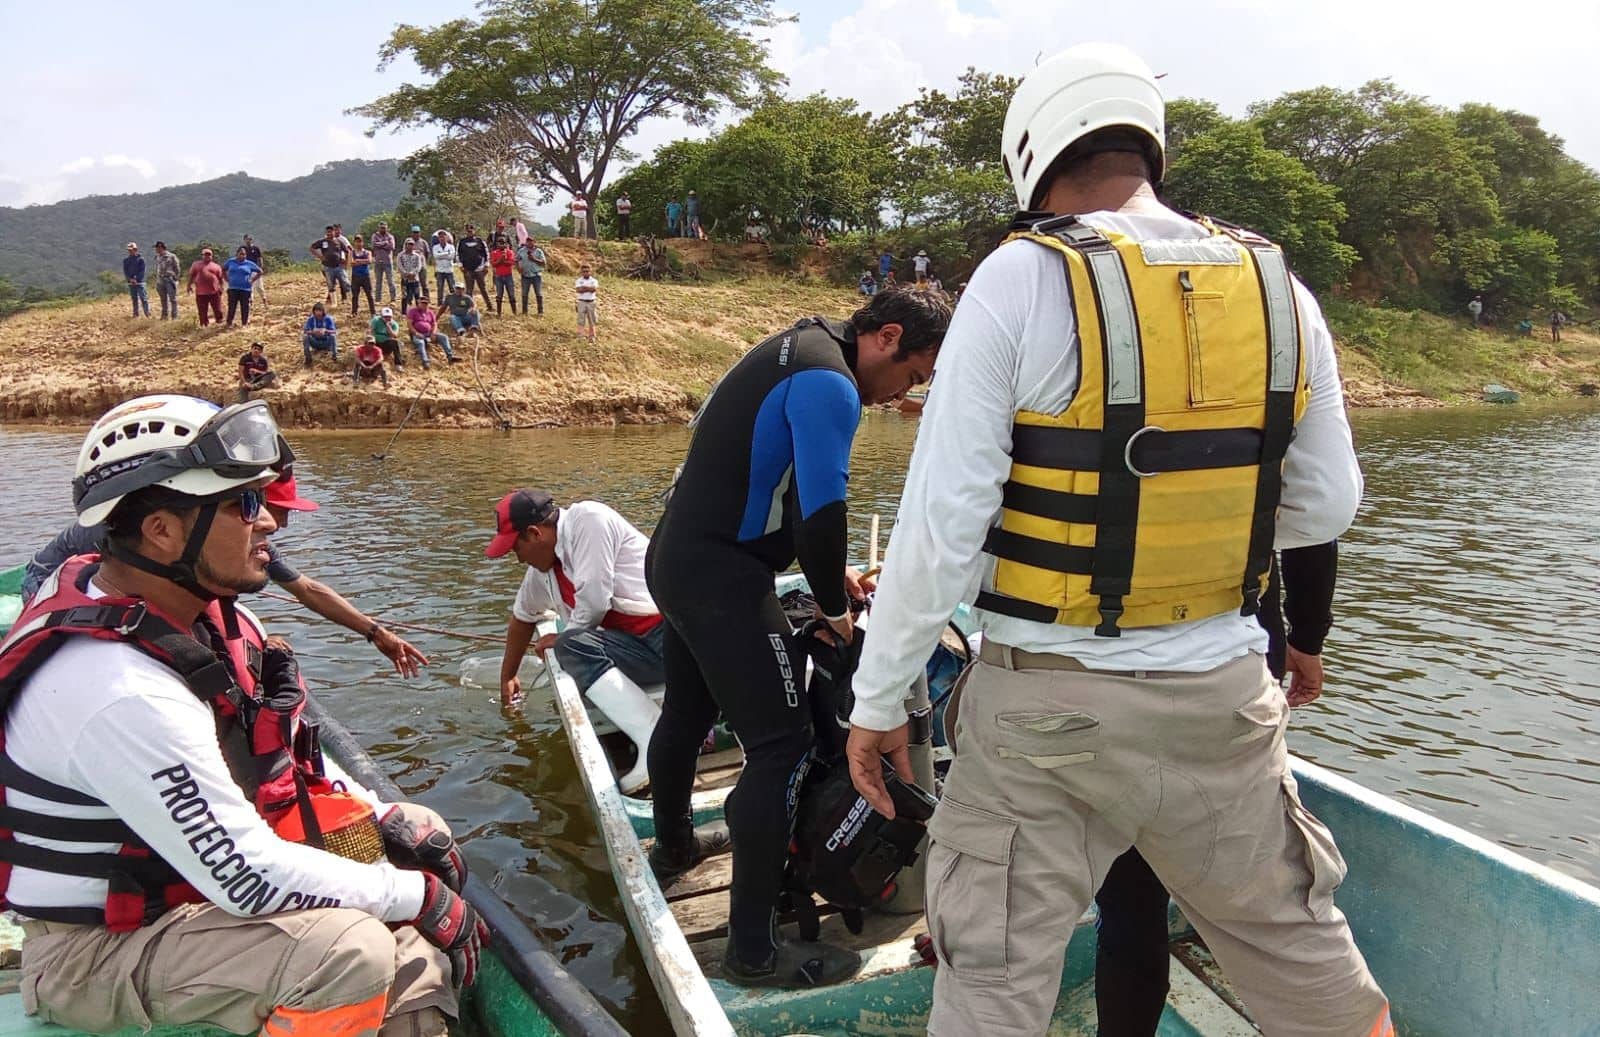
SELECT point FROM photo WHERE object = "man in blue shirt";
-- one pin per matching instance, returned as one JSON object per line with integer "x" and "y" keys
{"x": 763, "y": 485}
{"x": 321, "y": 334}
{"x": 674, "y": 214}
{"x": 133, "y": 273}
{"x": 242, "y": 277}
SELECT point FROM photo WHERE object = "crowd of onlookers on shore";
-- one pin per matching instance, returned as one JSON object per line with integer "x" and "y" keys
{"x": 457, "y": 269}
{"x": 360, "y": 267}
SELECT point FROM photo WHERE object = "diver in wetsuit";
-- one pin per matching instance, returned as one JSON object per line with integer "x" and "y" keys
{"x": 764, "y": 485}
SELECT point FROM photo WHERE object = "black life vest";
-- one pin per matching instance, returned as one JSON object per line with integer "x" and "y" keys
{"x": 270, "y": 752}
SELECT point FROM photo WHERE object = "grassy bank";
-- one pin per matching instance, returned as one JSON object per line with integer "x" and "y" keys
{"x": 1410, "y": 358}
{"x": 661, "y": 345}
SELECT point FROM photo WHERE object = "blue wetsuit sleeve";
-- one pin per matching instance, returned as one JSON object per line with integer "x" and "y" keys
{"x": 72, "y": 541}
{"x": 823, "y": 409}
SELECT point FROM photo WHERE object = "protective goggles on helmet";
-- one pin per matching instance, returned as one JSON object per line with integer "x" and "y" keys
{"x": 238, "y": 442}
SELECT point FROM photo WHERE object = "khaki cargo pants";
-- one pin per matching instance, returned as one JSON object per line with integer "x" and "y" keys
{"x": 1057, "y": 772}
{"x": 321, "y": 971}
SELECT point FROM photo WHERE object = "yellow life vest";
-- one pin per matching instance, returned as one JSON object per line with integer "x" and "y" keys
{"x": 1152, "y": 499}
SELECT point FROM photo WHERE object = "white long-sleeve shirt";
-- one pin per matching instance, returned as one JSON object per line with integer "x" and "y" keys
{"x": 107, "y": 720}
{"x": 1012, "y": 346}
{"x": 603, "y": 555}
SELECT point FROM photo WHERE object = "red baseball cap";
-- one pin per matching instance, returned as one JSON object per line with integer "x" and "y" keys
{"x": 281, "y": 493}
{"x": 516, "y": 511}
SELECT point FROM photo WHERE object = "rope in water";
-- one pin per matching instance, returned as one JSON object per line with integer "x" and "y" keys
{"x": 404, "y": 625}
{"x": 409, "y": 411}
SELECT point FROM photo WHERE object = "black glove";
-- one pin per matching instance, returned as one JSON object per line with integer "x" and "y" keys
{"x": 421, "y": 847}
{"x": 450, "y": 924}
{"x": 280, "y": 687}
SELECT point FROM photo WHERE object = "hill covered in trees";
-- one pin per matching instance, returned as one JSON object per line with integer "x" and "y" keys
{"x": 66, "y": 245}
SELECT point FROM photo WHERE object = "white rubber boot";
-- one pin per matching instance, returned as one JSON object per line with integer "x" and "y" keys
{"x": 626, "y": 704}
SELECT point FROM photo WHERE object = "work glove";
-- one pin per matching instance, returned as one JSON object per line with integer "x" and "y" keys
{"x": 280, "y": 687}
{"x": 422, "y": 847}
{"x": 450, "y": 924}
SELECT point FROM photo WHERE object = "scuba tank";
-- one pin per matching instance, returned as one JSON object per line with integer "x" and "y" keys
{"x": 843, "y": 850}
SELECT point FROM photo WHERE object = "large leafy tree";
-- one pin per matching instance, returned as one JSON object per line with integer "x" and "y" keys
{"x": 1228, "y": 171}
{"x": 948, "y": 169}
{"x": 561, "y": 84}
{"x": 812, "y": 160}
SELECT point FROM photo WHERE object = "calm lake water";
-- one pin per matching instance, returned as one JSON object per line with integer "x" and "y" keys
{"x": 1460, "y": 673}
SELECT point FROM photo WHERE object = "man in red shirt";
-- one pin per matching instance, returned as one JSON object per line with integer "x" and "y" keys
{"x": 503, "y": 260}
{"x": 205, "y": 284}
{"x": 586, "y": 563}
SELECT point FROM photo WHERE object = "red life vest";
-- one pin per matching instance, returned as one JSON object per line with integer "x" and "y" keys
{"x": 269, "y": 752}
{"x": 638, "y": 626}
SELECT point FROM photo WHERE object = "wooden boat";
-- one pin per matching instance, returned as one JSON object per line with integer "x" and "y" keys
{"x": 1465, "y": 936}
{"x": 522, "y": 990}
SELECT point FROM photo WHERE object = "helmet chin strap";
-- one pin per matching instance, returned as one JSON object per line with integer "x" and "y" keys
{"x": 182, "y": 572}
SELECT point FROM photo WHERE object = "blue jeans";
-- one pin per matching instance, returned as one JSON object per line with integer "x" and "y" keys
{"x": 337, "y": 277}
{"x": 588, "y": 653}
{"x": 421, "y": 343}
{"x": 443, "y": 281}
{"x": 464, "y": 321}
{"x": 168, "y": 290}
{"x": 328, "y": 344}
{"x": 537, "y": 283}
{"x": 140, "y": 296}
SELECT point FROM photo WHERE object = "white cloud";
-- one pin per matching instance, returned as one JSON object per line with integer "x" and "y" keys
{"x": 143, "y": 166}
{"x": 78, "y": 165}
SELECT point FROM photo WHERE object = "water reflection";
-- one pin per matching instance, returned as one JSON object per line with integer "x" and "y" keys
{"x": 1460, "y": 676}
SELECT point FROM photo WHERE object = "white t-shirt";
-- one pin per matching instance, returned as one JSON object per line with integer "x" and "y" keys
{"x": 603, "y": 555}
{"x": 624, "y": 206}
{"x": 1012, "y": 346}
{"x": 107, "y": 720}
{"x": 920, "y": 263}
{"x": 580, "y": 208}
{"x": 444, "y": 259}
{"x": 587, "y": 289}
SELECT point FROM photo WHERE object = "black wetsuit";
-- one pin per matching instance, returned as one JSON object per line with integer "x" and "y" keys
{"x": 763, "y": 484}
{"x": 1130, "y": 974}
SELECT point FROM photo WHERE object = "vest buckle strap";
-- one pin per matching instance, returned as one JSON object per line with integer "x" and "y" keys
{"x": 131, "y": 619}
{"x": 1127, "y": 451}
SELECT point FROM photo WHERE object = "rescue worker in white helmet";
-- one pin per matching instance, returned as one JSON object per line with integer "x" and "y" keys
{"x": 173, "y": 850}
{"x": 1109, "y": 457}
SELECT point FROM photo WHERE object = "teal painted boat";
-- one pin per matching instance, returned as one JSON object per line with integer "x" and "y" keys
{"x": 1465, "y": 936}
{"x": 522, "y": 990}
{"x": 10, "y": 596}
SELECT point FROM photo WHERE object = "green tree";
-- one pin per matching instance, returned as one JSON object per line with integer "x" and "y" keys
{"x": 560, "y": 84}
{"x": 949, "y": 169}
{"x": 814, "y": 159}
{"x": 1187, "y": 117}
{"x": 1228, "y": 171}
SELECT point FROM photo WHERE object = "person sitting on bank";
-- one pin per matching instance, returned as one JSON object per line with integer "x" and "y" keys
{"x": 321, "y": 334}
{"x": 255, "y": 371}
{"x": 118, "y": 722}
{"x": 385, "y": 331}
{"x": 586, "y": 563}
{"x": 868, "y": 285}
{"x": 422, "y": 323}
{"x": 282, "y": 498}
{"x": 369, "y": 365}
{"x": 463, "y": 311}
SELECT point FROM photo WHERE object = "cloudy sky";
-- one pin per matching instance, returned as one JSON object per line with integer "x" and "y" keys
{"x": 109, "y": 97}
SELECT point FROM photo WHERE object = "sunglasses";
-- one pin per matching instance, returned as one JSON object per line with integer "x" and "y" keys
{"x": 250, "y": 501}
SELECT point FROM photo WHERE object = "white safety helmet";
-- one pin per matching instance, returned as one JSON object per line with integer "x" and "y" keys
{"x": 182, "y": 443}
{"x": 1090, "y": 87}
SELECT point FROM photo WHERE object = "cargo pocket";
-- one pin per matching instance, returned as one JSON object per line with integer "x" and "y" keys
{"x": 969, "y": 888}
{"x": 1262, "y": 717}
{"x": 1048, "y": 740}
{"x": 1323, "y": 860}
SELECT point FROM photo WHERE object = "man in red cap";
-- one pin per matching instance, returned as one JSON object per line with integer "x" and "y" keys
{"x": 586, "y": 563}
{"x": 282, "y": 497}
